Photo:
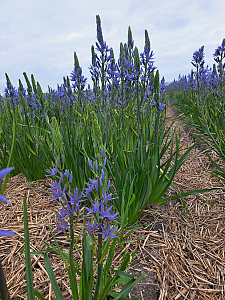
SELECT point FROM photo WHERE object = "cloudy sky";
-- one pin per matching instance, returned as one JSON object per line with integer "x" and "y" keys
{"x": 39, "y": 36}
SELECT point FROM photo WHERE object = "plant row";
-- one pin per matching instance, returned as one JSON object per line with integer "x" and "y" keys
{"x": 200, "y": 96}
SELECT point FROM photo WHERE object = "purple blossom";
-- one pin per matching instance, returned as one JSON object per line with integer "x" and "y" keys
{"x": 90, "y": 164}
{"x": 98, "y": 208}
{"x": 64, "y": 226}
{"x": 6, "y": 233}
{"x": 52, "y": 172}
{"x": 220, "y": 52}
{"x": 94, "y": 209}
{"x": 57, "y": 190}
{"x": 161, "y": 106}
{"x": 3, "y": 199}
{"x": 91, "y": 228}
{"x": 104, "y": 212}
{"x": 79, "y": 80}
{"x": 198, "y": 58}
{"x": 3, "y": 173}
{"x": 75, "y": 200}
{"x": 107, "y": 232}
{"x": 158, "y": 105}
{"x": 68, "y": 175}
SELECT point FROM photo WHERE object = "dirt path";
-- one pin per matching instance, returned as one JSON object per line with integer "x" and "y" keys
{"x": 182, "y": 257}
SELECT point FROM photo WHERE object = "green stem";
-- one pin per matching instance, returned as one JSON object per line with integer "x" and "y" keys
{"x": 156, "y": 129}
{"x": 103, "y": 79}
{"x": 139, "y": 121}
{"x": 72, "y": 269}
{"x": 11, "y": 152}
{"x": 100, "y": 267}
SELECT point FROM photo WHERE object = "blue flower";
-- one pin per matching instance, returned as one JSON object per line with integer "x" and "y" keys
{"x": 107, "y": 232}
{"x": 53, "y": 172}
{"x": 3, "y": 199}
{"x": 105, "y": 212}
{"x": 94, "y": 210}
{"x": 161, "y": 106}
{"x": 158, "y": 105}
{"x": 59, "y": 193}
{"x": 3, "y": 173}
{"x": 198, "y": 58}
{"x": 220, "y": 52}
{"x": 6, "y": 233}
{"x": 65, "y": 225}
{"x": 91, "y": 228}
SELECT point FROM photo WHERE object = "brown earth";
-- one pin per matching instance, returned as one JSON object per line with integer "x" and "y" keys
{"x": 182, "y": 256}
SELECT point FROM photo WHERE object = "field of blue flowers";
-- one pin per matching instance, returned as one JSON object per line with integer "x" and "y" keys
{"x": 105, "y": 154}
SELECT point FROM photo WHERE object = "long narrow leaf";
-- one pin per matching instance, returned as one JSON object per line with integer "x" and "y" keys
{"x": 39, "y": 295}
{"x": 52, "y": 278}
{"x": 29, "y": 278}
{"x": 193, "y": 192}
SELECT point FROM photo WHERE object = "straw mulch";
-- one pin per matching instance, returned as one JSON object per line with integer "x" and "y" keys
{"x": 182, "y": 256}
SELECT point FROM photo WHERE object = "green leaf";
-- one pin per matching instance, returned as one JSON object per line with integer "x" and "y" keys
{"x": 114, "y": 294}
{"x": 86, "y": 280}
{"x": 27, "y": 134}
{"x": 193, "y": 192}
{"x": 105, "y": 250}
{"x": 127, "y": 288}
{"x": 29, "y": 278}
{"x": 39, "y": 295}
{"x": 111, "y": 281}
{"x": 108, "y": 263}
{"x": 58, "y": 250}
{"x": 123, "y": 274}
{"x": 26, "y": 145}
{"x": 52, "y": 278}
{"x": 65, "y": 255}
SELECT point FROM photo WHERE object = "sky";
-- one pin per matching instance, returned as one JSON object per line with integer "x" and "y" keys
{"x": 39, "y": 37}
